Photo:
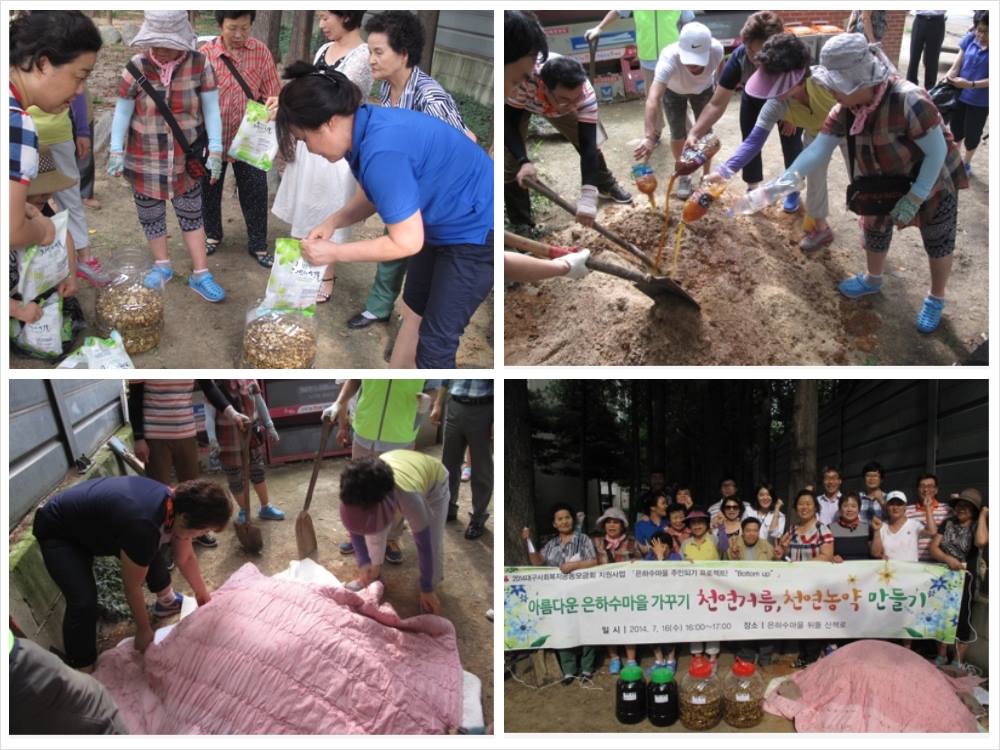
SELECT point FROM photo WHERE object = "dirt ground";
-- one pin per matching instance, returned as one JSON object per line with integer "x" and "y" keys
{"x": 591, "y": 708}
{"x": 201, "y": 334}
{"x": 466, "y": 594}
{"x": 763, "y": 301}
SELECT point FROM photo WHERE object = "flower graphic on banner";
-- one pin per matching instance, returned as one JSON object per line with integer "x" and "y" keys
{"x": 520, "y": 623}
{"x": 938, "y": 618}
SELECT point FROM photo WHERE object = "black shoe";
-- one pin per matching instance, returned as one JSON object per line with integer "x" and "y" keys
{"x": 363, "y": 321}
{"x": 568, "y": 679}
{"x": 475, "y": 530}
{"x": 616, "y": 194}
{"x": 206, "y": 540}
{"x": 452, "y": 515}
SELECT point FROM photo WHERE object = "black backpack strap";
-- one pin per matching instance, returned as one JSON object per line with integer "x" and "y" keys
{"x": 161, "y": 105}
{"x": 850, "y": 144}
{"x": 239, "y": 79}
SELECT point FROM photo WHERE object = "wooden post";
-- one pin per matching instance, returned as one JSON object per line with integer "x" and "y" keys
{"x": 298, "y": 46}
{"x": 805, "y": 419}
{"x": 429, "y": 19}
{"x": 519, "y": 477}
{"x": 267, "y": 28}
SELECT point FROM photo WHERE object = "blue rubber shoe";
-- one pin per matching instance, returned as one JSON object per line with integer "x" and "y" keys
{"x": 207, "y": 287}
{"x": 270, "y": 513}
{"x": 346, "y": 548}
{"x": 158, "y": 277}
{"x": 393, "y": 553}
{"x": 968, "y": 170}
{"x": 792, "y": 203}
{"x": 930, "y": 315}
{"x": 856, "y": 286}
{"x": 168, "y": 610}
{"x": 615, "y": 666}
{"x": 241, "y": 517}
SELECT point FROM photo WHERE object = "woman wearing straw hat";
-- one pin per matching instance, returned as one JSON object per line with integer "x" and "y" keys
{"x": 898, "y": 132}
{"x": 152, "y": 160}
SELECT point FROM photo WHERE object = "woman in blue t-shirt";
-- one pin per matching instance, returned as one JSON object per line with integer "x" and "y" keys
{"x": 431, "y": 186}
{"x": 970, "y": 73}
{"x": 129, "y": 518}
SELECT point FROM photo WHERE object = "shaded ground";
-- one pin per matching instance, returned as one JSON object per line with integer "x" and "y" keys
{"x": 466, "y": 593}
{"x": 200, "y": 334}
{"x": 576, "y": 708}
{"x": 763, "y": 302}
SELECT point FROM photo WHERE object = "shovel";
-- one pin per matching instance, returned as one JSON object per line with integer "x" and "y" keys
{"x": 248, "y": 535}
{"x": 305, "y": 534}
{"x": 592, "y": 46}
{"x": 121, "y": 450}
{"x": 654, "y": 287}
{"x": 553, "y": 196}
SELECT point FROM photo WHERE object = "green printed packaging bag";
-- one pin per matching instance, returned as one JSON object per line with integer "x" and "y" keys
{"x": 42, "y": 268}
{"x": 293, "y": 283}
{"x": 100, "y": 354}
{"x": 44, "y": 337}
{"x": 255, "y": 142}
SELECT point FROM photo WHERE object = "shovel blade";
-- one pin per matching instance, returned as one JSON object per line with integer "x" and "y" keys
{"x": 305, "y": 536}
{"x": 661, "y": 286}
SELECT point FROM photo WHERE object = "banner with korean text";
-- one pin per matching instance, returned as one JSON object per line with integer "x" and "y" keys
{"x": 664, "y": 602}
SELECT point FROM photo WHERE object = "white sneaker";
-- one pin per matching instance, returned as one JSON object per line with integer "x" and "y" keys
{"x": 684, "y": 187}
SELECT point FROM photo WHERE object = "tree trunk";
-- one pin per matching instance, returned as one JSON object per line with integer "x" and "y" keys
{"x": 584, "y": 405}
{"x": 805, "y": 416}
{"x": 763, "y": 435}
{"x": 429, "y": 19}
{"x": 658, "y": 427}
{"x": 298, "y": 46}
{"x": 267, "y": 28}
{"x": 633, "y": 410}
{"x": 519, "y": 474}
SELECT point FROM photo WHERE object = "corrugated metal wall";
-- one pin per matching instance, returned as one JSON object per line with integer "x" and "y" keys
{"x": 53, "y": 422}
{"x": 467, "y": 31}
{"x": 908, "y": 426}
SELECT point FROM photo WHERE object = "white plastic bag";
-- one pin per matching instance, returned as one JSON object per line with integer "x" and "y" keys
{"x": 255, "y": 142}
{"x": 42, "y": 268}
{"x": 100, "y": 354}
{"x": 293, "y": 283}
{"x": 44, "y": 336}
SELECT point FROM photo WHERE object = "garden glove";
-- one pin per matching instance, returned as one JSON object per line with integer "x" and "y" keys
{"x": 586, "y": 207}
{"x": 236, "y": 417}
{"x": 577, "y": 263}
{"x": 904, "y": 210}
{"x": 214, "y": 166}
{"x": 116, "y": 163}
{"x": 272, "y": 432}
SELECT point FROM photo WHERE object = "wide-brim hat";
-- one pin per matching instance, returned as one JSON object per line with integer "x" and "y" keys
{"x": 612, "y": 513}
{"x": 971, "y": 496}
{"x": 696, "y": 515}
{"x": 166, "y": 28}
{"x": 50, "y": 179}
{"x": 848, "y": 63}
{"x": 764, "y": 85}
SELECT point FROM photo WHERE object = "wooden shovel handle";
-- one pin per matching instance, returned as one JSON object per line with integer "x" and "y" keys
{"x": 323, "y": 437}
{"x": 535, "y": 247}
{"x": 245, "y": 454}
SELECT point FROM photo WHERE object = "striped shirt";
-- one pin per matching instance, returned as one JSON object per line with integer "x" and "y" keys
{"x": 941, "y": 512}
{"x": 168, "y": 413}
{"x": 579, "y": 547}
{"x": 256, "y": 66}
{"x": 532, "y": 95}
{"x": 870, "y": 508}
{"x": 423, "y": 94}
{"x": 808, "y": 546}
{"x": 23, "y": 142}
{"x": 470, "y": 388}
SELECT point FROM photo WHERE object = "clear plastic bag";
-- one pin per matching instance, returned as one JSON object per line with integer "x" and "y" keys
{"x": 42, "y": 268}
{"x": 279, "y": 338}
{"x": 255, "y": 142}
{"x": 129, "y": 305}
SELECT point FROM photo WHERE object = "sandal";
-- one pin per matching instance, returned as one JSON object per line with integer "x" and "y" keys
{"x": 322, "y": 296}
{"x": 211, "y": 246}
{"x": 263, "y": 257}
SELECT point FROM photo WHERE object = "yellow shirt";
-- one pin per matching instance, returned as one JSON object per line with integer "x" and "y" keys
{"x": 414, "y": 471}
{"x": 51, "y": 128}
{"x": 811, "y": 116}
{"x": 695, "y": 551}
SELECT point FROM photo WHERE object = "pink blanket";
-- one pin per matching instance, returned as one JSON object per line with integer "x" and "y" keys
{"x": 875, "y": 686}
{"x": 270, "y": 656}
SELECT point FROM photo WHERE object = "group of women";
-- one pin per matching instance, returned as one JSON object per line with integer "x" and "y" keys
{"x": 416, "y": 162}
{"x": 759, "y": 531}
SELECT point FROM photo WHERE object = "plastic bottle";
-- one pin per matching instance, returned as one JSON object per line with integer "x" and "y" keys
{"x": 743, "y": 694}
{"x": 645, "y": 181}
{"x": 766, "y": 195}
{"x": 700, "y": 696}
{"x": 661, "y": 698}
{"x": 693, "y": 158}
{"x": 700, "y": 201}
{"x": 630, "y": 696}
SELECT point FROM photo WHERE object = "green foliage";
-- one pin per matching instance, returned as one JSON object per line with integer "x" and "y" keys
{"x": 111, "y": 602}
{"x": 477, "y": 116}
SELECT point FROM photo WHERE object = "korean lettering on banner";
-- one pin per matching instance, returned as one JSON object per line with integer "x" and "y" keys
{"x": 677, "y": 601}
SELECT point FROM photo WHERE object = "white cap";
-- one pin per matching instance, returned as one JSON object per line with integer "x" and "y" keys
{"x": 895, "y": 495}
{"x": 695, "y": 44}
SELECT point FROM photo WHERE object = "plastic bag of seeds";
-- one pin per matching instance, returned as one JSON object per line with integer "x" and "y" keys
{"x": 42, "y": 268}
{"x": 279, "y": 338}
{"x": 100, "y": 354}
{"x": 131, "y": 304}
{"x": 44, "y": 338}
{"x": 293, "y": 283}
{"x": 255, "y": 142}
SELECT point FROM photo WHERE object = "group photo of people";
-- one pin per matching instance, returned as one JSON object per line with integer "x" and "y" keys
{"x": 634, "y": 474}
{"x": 343, "y": 153}
{"x": 731, "y": 167}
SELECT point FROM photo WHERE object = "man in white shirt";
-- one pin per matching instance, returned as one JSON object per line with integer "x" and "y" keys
{"x": 829, "y": 501}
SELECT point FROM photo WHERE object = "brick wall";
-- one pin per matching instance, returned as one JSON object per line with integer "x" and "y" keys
{"x": 891, "y": 42}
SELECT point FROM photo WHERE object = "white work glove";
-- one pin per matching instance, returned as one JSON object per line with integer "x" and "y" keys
{"x": 577, "y": 263}
{"x": 586, "y": 206}
{"x": 214, "y": 166}
{"x": 116, "y": 163}
{"x": 241, "y": 420}
{"x": 272, "y": 432}
{"x": 330, "y": 412}
{"x": 594, "y": 33}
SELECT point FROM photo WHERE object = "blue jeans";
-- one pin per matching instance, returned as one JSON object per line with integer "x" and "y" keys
{"x": 445, "y": 285}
